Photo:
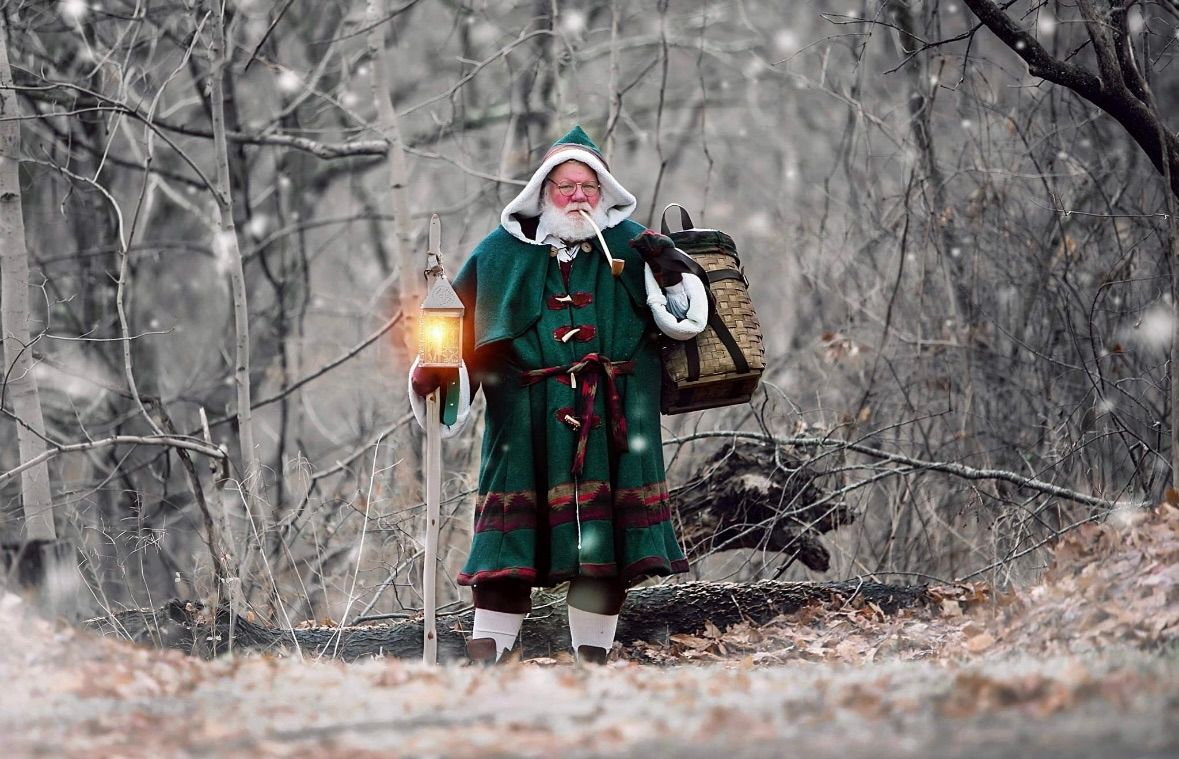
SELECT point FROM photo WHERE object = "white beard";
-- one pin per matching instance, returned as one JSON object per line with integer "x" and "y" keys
{"x": 570, "y": 228}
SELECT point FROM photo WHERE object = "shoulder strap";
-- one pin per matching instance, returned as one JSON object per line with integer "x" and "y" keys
{"x": 727, "y": 340}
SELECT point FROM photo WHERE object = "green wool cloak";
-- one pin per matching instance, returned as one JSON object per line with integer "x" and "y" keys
{"x": 544, "y": 513}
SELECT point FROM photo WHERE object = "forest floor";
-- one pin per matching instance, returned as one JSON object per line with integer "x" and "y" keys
{"x": 1083, "y": 664}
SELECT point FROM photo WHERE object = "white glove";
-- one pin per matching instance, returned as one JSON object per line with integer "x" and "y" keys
{"x": 681, "y": 312}
{"x": 418, "y": 403}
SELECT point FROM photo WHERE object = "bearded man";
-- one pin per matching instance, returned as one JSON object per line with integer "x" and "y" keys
{"x": 565, "y": 349}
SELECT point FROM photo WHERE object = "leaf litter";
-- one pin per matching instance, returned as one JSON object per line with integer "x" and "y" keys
{"x": 1083, "y": 662}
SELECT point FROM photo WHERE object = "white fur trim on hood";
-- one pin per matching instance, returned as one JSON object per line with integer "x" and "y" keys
{"x": 615, "y": 198}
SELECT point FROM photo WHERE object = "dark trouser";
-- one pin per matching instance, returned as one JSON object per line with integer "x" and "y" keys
{"x": 598, "y": 595}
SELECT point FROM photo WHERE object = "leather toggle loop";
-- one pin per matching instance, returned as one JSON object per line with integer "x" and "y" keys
{"x": 581, "y": 333}
{"x": 574, "y": 300}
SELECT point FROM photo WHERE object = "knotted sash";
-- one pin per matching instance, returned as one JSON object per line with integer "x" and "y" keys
{"x": 587, "y": 371}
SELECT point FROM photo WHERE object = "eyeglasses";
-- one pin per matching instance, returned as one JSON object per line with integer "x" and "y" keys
{"x": 589, "y": 188}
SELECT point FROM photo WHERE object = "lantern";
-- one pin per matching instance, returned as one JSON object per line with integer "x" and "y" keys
{"x": 440, "y": 339}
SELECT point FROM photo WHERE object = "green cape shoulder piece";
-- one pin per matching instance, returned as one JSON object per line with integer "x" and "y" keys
{"x": 501, "y": 283}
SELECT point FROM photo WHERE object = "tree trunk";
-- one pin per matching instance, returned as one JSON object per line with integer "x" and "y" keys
{"x": 650, "y": 614}
{"x": 395, "y": 198}
{"x": 227, "y": 246}
{"x": 19, "y": 385}
{"x": 389, "y": 127}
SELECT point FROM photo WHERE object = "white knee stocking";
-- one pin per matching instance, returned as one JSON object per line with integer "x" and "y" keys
{"x": 589, "y": 629}
{"x": 499, "y": 626}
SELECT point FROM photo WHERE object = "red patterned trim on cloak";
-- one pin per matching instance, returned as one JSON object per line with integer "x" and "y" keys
{"x": 504, "y": 512}
{"x": 526, "y": 574}
{"x": 650, "y": 566}
{"x": 629, "y": 508}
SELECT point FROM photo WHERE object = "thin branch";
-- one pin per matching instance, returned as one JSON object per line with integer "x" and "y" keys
{"x": 958, "y": 470}
{"x": 266, "y": 35}
{"x": 125, "y": 329}
{"x": 165, "y": 440}
{"x": 320, "y": 371}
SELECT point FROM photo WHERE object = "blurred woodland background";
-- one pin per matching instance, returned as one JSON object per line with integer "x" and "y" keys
{"x": 954, "y": 216}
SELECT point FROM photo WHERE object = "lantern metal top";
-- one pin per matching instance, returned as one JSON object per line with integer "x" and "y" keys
{"x": 442, "y": 297}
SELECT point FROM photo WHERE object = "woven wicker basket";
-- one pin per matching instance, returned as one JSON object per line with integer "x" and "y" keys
{"x": 706, "y": 371}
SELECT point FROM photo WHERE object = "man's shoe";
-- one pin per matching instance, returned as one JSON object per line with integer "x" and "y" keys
{"x": 482, "y": 651}
{"x": 592, "y": 655}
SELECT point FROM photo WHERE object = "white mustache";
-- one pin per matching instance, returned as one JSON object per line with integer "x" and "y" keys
{"x": 575, "y": 207}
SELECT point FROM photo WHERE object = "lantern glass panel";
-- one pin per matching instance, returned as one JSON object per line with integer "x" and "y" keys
{"x": 440, "y": 342}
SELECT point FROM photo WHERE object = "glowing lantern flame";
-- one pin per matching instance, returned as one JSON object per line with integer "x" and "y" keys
{"x": 440, "y": 340}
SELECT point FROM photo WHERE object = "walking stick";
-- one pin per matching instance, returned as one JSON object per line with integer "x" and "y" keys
{"x": 433, "y": 508}
{"x": 439, "y": 345}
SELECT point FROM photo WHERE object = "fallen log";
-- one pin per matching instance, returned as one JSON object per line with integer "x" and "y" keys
{"x": 651, "y": 614}
{"x": 754, "y": 495}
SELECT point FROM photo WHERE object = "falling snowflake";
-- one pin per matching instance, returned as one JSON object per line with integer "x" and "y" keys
{"x": 754, "y": 68}
{"x": 73, "y": 10}
{"x": 572, "y": 22}
{"x": 759, "y": 222}
{"x": 350, "y": 99}
{"x": 484, "y": 33}
{"x": 1105, "y": 406}
{"x": 967, "y": 123}
{"x": 1046, "y": 24}
{"x": 257, "y": 226}
{"x": 786, "y": 42}
{"x": 1020, "y": 45}
{"x": 637, "y": 444}
{"x": 955, "y": 252}
{"x": 1155, "y": 328}
{"x": 223, "y": 245}
{"x": 289, "y": 82}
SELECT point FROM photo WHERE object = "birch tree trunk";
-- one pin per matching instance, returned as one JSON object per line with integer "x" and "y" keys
{"x": 227, "y": 246}
{"x": 19, "y": 385}
{"x": 389, "y": 127}
{"x": 395, "y": 196}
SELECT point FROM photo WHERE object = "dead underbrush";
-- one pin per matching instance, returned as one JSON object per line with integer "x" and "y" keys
{"x": 1082, "y": 663}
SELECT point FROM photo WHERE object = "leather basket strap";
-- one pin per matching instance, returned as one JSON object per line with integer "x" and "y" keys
{"x": 726, "y": 338}
{"x": 685, "y": 219}
{"x": 719, "y": 275}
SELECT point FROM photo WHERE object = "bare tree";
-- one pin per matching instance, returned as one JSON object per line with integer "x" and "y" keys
{"x": 1121, "y": 89}
{"x": 20, "y": 382}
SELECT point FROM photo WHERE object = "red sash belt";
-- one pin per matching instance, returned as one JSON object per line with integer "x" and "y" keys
{"x": 586, "y": 373}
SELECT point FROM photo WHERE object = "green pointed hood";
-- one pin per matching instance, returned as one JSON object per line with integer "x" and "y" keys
{"x": 575, "y": 145}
